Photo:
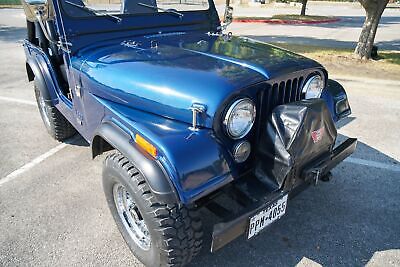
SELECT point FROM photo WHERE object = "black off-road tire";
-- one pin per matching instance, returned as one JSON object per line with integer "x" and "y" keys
{"x": 56, "y": 124}
{"x": 175, "y": 230}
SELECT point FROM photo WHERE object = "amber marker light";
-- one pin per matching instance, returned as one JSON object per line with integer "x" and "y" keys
{"x": 145, "y": 145}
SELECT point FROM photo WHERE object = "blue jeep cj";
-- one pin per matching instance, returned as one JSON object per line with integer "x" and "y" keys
{"x": 193, "y": 117}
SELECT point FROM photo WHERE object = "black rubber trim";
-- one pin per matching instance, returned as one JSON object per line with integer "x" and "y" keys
{"x": 41, "y": 81}
{"x": 339, "y": 95}
{"x": 159, "y": 183}
{"x": 317, "y": 170}
{"x": 335, "y": 88}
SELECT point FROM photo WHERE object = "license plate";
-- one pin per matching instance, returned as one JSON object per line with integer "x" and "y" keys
{"x": 267, "y": 216}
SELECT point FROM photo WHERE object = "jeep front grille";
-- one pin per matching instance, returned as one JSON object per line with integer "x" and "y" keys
{"x": 283, "y": 92}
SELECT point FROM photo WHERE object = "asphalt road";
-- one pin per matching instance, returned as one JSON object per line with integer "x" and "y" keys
{"x": 53, "y": 212}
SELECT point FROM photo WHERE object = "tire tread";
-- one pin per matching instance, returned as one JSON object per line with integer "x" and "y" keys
{"x": 180, "y": 226}
{"x": 60, "y": 127}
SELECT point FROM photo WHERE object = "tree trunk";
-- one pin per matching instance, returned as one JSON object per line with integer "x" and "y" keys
{"x": 303, "y": 7}
{"x": 374, "y": 10}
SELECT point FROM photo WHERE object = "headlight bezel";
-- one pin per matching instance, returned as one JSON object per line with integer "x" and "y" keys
{"x": 308, "y": 82}
{"x": 230, "y": 112}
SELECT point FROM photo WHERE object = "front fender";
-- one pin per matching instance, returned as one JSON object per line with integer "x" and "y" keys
{"x": 336, "y": 100}
{"x": 151, "y": 169}
{"x": 192, "y": 164}
{"x": 38, "y": 64}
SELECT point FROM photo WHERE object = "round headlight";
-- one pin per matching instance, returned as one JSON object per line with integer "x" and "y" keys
{"x": 313, "y": 87}
{"x": 242, "y": 151}
{"x": 240, "y": 118}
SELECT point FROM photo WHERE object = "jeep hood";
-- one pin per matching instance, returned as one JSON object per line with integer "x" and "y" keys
{"x": 166, "y": 74}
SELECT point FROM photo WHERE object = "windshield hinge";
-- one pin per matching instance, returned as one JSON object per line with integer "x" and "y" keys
{"x": 64, "y": 46}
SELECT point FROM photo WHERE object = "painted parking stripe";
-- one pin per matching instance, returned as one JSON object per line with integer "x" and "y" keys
{"x": 374, "y": 164}
{"x": 31, "y": 164}
{"x": 15, "y": 100}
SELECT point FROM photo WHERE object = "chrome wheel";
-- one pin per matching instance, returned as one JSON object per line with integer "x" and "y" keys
{"x": 131, "y": 217}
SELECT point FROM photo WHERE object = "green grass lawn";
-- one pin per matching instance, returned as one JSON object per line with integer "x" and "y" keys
{"x": 392, "y": 57}
{"x": 7, "y": 3}
{"x": 299, "y": 17}
{"x": 341, "y": 61}
{"x": 302, "y": 49}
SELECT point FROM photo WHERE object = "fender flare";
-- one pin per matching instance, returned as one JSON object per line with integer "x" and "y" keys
{"x": 39, "y": 68}
{"x": 35, "y": 73}
{"x": 336, "y": 99}
{"x": 152, "y": 170}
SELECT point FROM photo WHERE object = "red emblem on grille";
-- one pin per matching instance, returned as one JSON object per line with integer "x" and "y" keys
{"x": 317, "y": 135}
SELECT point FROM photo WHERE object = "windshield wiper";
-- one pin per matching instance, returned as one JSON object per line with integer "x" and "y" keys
{"x": 170, "y": 10}
{"x": 94, "y": 11}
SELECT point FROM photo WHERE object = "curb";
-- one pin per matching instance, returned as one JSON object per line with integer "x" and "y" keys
{"x": 280, "y": 21}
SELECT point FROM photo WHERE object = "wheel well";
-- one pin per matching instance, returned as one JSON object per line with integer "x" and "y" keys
{"x": 99, "y": 146}
{"x": 110, "y": 136}
{"x": 29, "y": 72}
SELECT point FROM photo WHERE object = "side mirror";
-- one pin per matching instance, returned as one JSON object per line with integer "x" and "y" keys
{"x": 37, "y": 10}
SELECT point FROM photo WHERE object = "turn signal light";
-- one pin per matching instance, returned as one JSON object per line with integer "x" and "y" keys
{"x": 145, "y": 145}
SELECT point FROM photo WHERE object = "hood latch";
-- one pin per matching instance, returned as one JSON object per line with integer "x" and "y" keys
{"x": 196, "y": 109}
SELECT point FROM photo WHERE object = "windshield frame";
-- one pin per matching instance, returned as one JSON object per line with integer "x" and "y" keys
{"x": 83, "y": 31}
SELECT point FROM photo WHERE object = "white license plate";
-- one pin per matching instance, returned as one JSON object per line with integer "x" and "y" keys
{"x": 267, "y": 216}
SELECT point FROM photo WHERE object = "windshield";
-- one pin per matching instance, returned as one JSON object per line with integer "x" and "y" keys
{"x": 133, "y": 7}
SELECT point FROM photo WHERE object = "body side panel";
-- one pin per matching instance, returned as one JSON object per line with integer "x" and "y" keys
{"x": 43, "y": 70}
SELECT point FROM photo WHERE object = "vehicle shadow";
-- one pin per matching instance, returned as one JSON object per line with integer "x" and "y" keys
{"x": 343, "y": 122}
{"x": 341, "y": 222}
{"x": 77, "y": 140}
{"x": 12, "y": 34}
{"x": 357, "y": 22}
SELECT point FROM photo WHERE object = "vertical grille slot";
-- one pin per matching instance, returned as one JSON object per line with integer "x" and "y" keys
{"x": 281, "y": 93}
{"x": 299, "y": 87}
{"x": 288, "y": 91}
{"x": 274, "y": 95}
{"x": 295, "y": 86}
{"x": 284, "y": 92}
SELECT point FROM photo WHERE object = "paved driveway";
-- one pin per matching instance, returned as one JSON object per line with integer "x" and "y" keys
{"x": 53, "y": 212}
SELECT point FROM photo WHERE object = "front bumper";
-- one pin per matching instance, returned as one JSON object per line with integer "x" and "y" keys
{"x": 236, "y": 225}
